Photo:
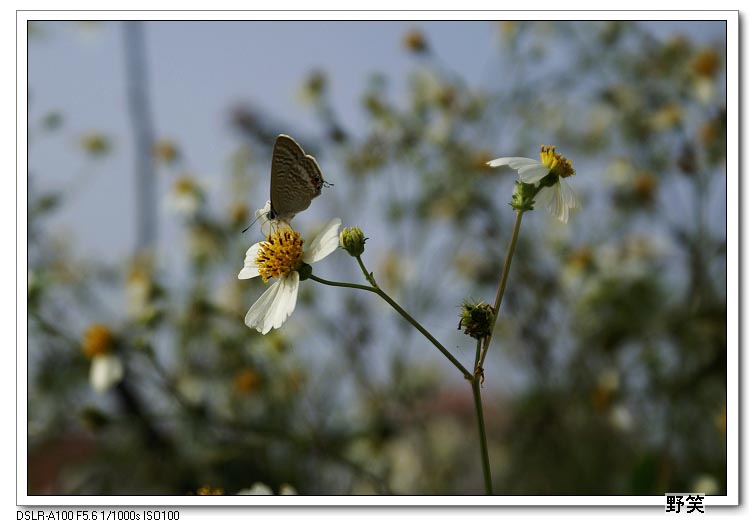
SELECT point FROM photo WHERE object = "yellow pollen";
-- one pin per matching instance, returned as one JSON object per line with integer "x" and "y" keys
{"x": 280, "y": 254}
{"x": 557, "y": 163}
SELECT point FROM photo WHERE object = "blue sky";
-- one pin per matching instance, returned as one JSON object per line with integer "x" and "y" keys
{"x": 197, "y": 72}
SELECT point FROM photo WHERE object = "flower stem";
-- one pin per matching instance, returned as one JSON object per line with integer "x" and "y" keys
{"x": 501, "y": 289}
{"x": 377, "y": 290}
{"x": 369, "y": 277}
{"x": 481, "y": 429}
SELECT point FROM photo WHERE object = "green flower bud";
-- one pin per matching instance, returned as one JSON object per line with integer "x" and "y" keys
{"x": 352, "y": 241}
{"x": 524, "y": 196}
{"x": 477, "y": 319}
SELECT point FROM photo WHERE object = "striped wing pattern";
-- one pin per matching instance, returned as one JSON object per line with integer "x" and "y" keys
{"x": 295, "y": 178}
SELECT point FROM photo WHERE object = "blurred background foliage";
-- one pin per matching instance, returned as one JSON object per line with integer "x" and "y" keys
{"x": 607, "y": 373}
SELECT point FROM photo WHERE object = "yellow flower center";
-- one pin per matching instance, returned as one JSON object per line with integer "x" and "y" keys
{"x": 184, "y": 185}
{"x": 280, "y": 254}
{"x": 98, "y": 340}
{"x": 557, "y": 163}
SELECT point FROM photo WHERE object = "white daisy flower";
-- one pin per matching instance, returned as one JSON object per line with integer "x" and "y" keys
{"x": 555, "y": 194}
{"x": 105, "y": 372}
{"x": 281, "y": 256}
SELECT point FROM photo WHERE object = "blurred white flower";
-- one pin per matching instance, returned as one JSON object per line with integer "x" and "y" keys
{"x": 105, "y": 372}
{"x": 288, "y": 489}
{"x": 186, "y": 196}
{"x": 621, "y": 418}
{"x": 705, "y": 484}
{"x": 139, "y": 291}
{"x": 258, "y": 488}
{"x": 281, "y": 256}
{"x": 608, "y": 379}
{"x": 556, "y": 195}
{"x": 99, "y": 345}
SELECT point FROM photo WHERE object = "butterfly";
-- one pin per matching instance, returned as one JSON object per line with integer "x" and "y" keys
{"x": 295, "y": 180}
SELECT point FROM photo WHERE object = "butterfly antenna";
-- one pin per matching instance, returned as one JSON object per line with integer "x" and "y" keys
{"x": 251, "y": 225}
{"x": 326, "y": 184}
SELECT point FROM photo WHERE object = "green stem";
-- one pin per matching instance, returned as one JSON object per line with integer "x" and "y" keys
{"x": 481, "y": 429}
{"x": 501, "y": 289}
{"x": 367, "y": 275}
{"x": 403, "y": 313}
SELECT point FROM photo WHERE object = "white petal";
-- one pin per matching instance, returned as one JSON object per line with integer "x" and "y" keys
{"x": 261, "y": 217}
{"x": 250, "y": 269}
{"x": 256, "y": 315}
{"x": 570, "y": 197}
{"x": 106, "y": 371}
{"x": 551, "y": 199}
{"x": 275, "y": 305}
{"x": 515, "y": 162}
{"x": 558, "y": 207}
{"x": 533, "y": 173}
{"x": 283, "y": 304}
{"x": 558, "y": 199}
{"x": 324, "y": 243}
{"x": 530, "y": 170}
{"x": 261, "y": 214}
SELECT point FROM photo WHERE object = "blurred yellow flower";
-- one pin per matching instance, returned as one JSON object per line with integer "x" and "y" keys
{"x": 645, "y": 186}
{"x": 706, "y": 63}
{"x": 509, "y": 29}
{"x": 605, "y": 391}
{"x": 209, "y": 490}
{"x": 239, "y": 213}
{"x": 95, "y": 144}
{"x": 667, "y": 117}
{"x": 414, "y": 41}
{"x": 247, "y": 381}
{"x": 581, "y": 259}
{"x": 314, "y": 87}
{"x": 98, "y": 340}
{"x": 166, "y": 151}
{"x": 478, "y": 160}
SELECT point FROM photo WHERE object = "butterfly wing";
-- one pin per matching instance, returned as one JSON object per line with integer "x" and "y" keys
{"x": 295, "y": 178}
